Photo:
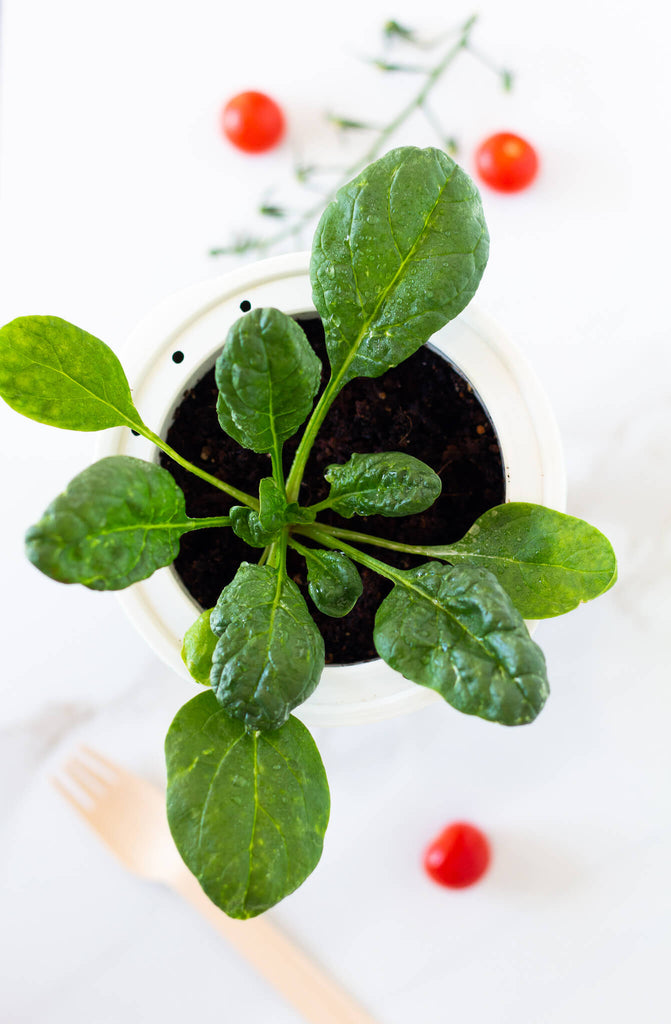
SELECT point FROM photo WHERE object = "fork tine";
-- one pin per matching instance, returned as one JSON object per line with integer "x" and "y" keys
{"x": 86, "y": 778}
{"x": 98, "y": 759}
{"x": 68, "y": 795}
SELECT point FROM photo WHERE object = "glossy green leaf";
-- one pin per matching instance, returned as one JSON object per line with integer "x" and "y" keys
{"x": 296, "y": 514}
{"x": 334, "y": 583}
{"x": 455, "y": 630}
{"x": 116, "y": 523}
{"x": 245, "y": 524}
{"x": 270, "y": 654}
{"x": 272, "y": 505}
{"x": 56, "y": 373}
{"x": 386, "y": 483}
{"x": 267, "y": 375}
{"x": 248, "y": 811}
{"x": 258, "y": 529}
{"x": 397, "y": 254}
{"x": 547, "y": 562}
{"x": 198, "y": 647}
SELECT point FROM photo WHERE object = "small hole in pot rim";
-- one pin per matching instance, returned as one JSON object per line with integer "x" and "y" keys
{"x": 245, "y": 305}
{"x": 178, "y": 357}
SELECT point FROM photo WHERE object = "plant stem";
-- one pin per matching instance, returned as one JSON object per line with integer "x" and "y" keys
{"x": 308, "y": 439}
{"x": 245, "y": 499}
{"x": 278, "y": 469}
{"x": 210, "y": 521}
{"x": 277, "y": 555}
{"x": 378, "y": 542}
{"x": 388, "y": 571}
{"x": 433, "y": 75}
{"x": 326, "y": 503}
{"x": 305, "y": 552}
{"x": 450, "y": 144}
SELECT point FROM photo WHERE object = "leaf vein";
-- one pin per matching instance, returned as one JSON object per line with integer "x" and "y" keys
{"x": 213, "y": 780}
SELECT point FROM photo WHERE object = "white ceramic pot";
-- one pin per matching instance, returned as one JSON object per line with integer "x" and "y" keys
{"x": 194, "y": 323}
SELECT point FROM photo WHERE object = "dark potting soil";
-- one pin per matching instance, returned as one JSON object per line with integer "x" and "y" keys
{"x": 423, "y": 407}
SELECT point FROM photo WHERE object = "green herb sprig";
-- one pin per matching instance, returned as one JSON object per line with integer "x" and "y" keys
{"x": 449, "y": 46}
{"x": 397, "y": 254}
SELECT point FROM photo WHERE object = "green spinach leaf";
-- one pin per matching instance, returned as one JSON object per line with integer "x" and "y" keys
{"x": 267, "y": 375}
{"x": 116, "y": 523}
{"x": 247, "y": 811}
{"x": 56, "y": 373}
{"x": 198, "y": 647}
{"x": 385, "y": 483}
{"x": 455, "y": 630}
{"x": 270, "y": 654}
{"x": 272, "y": 505}
{"x": 397, "y": 254}
{"x": 296, "y": 514}
{"x": 548, "y": 562}
{"x": 258, "y": 529}
{"x": 245, "y": 524}
{"x": 334, "y": 583}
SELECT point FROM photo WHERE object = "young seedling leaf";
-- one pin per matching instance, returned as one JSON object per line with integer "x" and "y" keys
{"x": 56, "y": 373}
{"x": 455, "y": 630}
{"x": 268, "y": 376}
{"x": 245, "y": 524}
{"x": 547, "y": 562}
{"x": 258, "y": 529}
{"x": 296, "y": 514}
{"x": 198, "y": 647}
{"x": 334, "y": 583}
{"x": 386, "y": 483}
{"x": 248, "y": 811}
{"x": 272, "y": 505}
{"x": 270, "y": 654}
{"x": 116, "y": 523}
{"x": 397, "y": 254}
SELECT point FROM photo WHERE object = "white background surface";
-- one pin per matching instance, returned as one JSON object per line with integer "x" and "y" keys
{"x": 114, "y": 185}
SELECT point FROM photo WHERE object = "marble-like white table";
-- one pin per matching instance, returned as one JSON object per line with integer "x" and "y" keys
{"x": 114, "y": 184}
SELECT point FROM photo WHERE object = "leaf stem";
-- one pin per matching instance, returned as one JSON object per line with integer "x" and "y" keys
{"x": 388, "y": 571}
{"x": 293, "y": 543}
{"x": 307, "y": 440}
{"x": 210, "y": 521}
{"x": 300, "y": 548}
{"x": 245, "y": 499}
{"x": 366, "y": 538}
{"x": 326, "y": 503}
{"x": 278, "y": 469}
{"x": 277, "y": 555}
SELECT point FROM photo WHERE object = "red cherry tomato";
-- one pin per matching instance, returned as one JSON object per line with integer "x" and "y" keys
{"x": 253, "y": 122}
{"x": 506, "y": 162}
{"x": 458, "y": 857}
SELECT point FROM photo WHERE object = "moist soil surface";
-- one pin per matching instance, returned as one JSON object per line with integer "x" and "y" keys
{"x": 423, "y": 407}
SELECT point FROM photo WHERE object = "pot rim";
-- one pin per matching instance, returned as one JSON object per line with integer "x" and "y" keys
{"x": 194, "y": 321}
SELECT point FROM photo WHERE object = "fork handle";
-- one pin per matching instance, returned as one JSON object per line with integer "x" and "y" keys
{"x": 314, "y": 994}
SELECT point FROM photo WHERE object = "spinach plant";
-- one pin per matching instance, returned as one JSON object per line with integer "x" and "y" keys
{"x": 397, "y": 254}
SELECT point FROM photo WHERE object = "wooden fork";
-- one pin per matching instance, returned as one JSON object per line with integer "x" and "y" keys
{"x": 128, "y": 814}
